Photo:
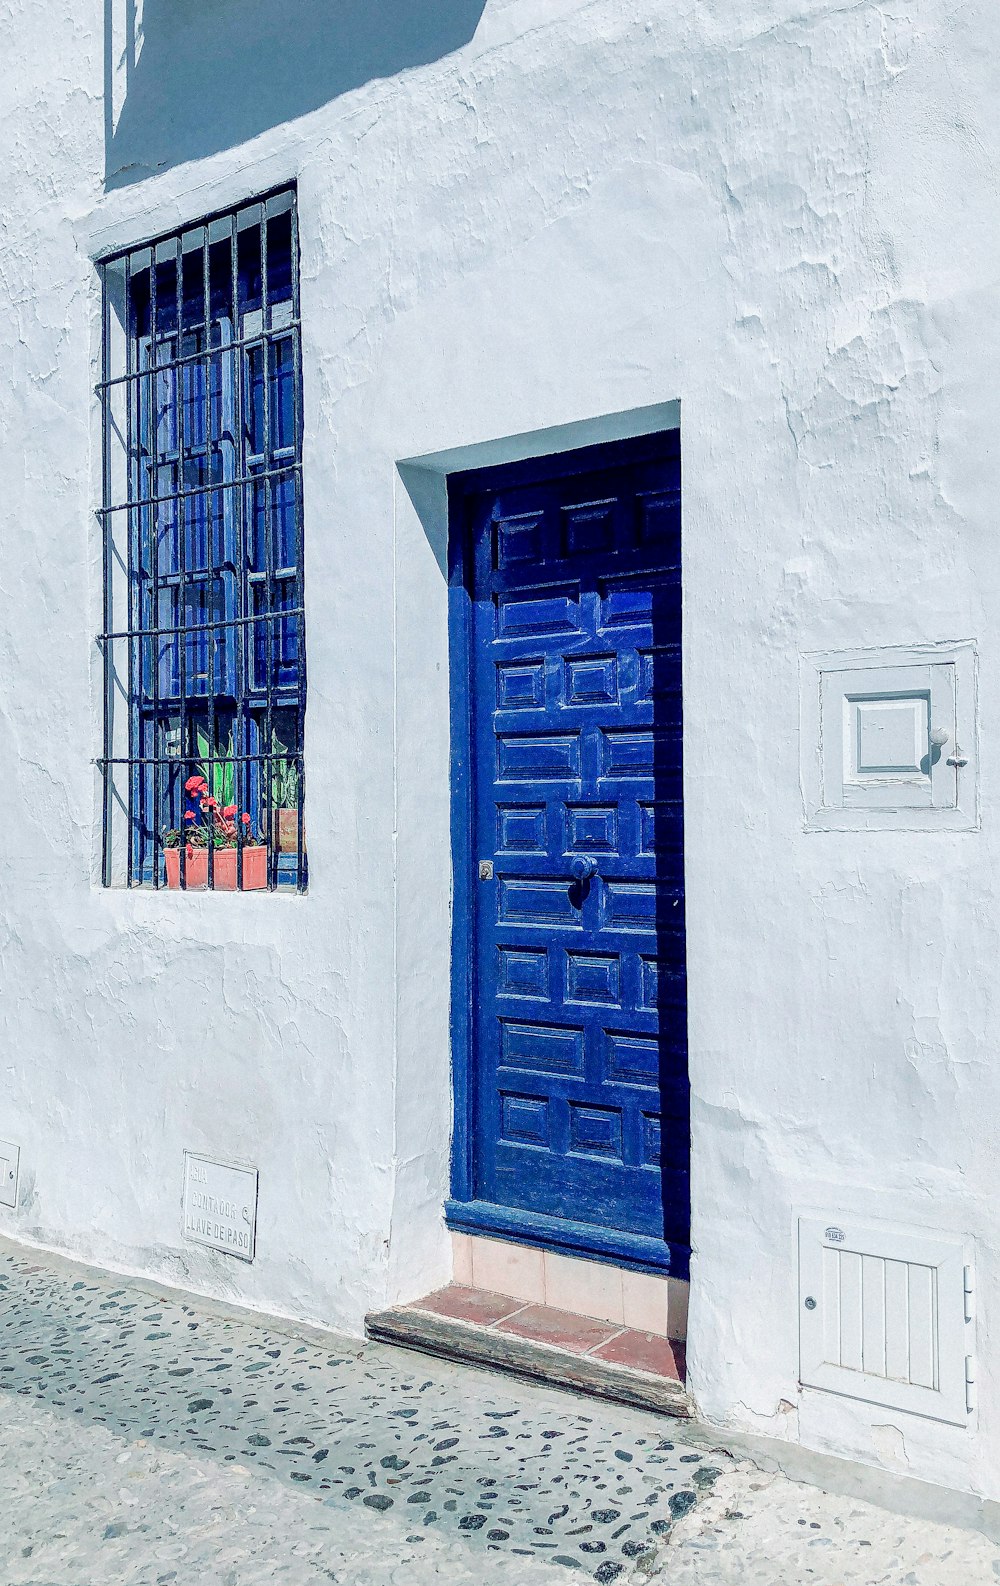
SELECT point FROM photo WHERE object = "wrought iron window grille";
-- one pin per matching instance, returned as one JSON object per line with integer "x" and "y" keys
{"x": 203, "y": 634}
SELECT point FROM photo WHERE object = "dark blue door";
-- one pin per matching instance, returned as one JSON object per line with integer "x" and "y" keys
{"x": 577, "y": 1085}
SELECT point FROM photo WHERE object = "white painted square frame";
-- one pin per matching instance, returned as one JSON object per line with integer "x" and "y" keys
{"x": 950, "y": 1260}
{"x": 953, "y": 686}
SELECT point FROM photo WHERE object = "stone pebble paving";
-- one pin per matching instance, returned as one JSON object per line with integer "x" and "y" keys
{"x": 82, "y": 1506}
{"x": 760, "y": 1529}
{"x": 422, "y": 1448}
{"x": 146, "y": 1441}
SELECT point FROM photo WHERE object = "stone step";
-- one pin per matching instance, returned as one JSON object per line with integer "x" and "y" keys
{"x": 543, "y": 1345}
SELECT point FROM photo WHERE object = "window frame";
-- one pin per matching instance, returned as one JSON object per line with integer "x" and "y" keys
{"x": 243, "y": 513}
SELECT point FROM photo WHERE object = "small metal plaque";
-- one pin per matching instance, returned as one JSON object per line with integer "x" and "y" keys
{"x": 486, "y": 870}
{"x": 220, "y": 1206}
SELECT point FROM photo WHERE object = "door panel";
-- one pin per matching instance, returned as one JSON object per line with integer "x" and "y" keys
{"x": 578, "y": 1079}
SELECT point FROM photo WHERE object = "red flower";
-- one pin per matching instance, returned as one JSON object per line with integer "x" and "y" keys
{"x": 245, "y": 819}
{"x": 209, "y": 803}
{"x": 229, "y": 810}
{"x": 194, "y": 783}
{"x": 189, "y": 815}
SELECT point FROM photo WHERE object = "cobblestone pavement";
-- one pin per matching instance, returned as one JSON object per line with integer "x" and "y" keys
{"x": 423, "y": 1450}
{"x": 148, "y": 1440}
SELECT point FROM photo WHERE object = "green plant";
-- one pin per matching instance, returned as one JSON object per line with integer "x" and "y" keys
{"x": 219, "y": 775}
{"x": 284, "y": 777}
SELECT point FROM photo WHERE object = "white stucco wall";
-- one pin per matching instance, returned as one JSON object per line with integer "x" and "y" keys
{"x": 782, "y": 215}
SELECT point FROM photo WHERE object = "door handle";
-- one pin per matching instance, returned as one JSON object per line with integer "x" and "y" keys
{"x": 583, "y": 867}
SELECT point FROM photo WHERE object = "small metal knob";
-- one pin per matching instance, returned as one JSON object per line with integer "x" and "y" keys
{"x": 810, "y": 1303}
{"x": 583, "y": 867}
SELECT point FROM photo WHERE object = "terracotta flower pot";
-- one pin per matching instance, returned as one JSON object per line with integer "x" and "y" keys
{"x": 224, "y": 869}
{"x": 286, "y": 831}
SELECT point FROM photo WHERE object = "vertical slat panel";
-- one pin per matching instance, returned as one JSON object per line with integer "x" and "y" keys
{"x": 890, "y": 1323}
{"x": 830, "y": 1301}
{"x": 873, "y": 1341}
{"x": 922, "y": 1330}
{"x": 850, "y": 1311}
{"x": 897, "y": 1321}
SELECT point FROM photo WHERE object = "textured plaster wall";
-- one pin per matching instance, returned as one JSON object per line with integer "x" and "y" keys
{"x": 782, "y": 214}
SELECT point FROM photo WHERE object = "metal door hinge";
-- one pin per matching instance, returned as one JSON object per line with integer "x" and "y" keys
{"x": 970, "y": 1383}
{"x": 970, "y": 1294}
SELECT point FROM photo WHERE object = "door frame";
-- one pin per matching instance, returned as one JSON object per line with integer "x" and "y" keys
{"x": 463, "y": 1213}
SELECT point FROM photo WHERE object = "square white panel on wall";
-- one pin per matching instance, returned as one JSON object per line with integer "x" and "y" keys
{"x": 885, "y": 1316}
{"x": 10, "y": 1158}
{"x": 888, "y": 738}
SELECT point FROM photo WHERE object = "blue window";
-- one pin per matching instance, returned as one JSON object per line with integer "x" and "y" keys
{"x": 203, "y": 635}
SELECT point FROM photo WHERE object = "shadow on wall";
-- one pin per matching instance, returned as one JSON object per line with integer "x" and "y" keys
{"x": 186, "y": 78}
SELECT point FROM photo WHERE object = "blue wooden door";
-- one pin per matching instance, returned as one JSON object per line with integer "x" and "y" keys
{"x": 577, "y": 1103}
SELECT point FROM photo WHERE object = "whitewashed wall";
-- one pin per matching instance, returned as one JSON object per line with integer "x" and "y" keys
{"x": 782, "y": 215}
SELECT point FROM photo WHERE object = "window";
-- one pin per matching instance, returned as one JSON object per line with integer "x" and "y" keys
{"x": 203, "y": 641}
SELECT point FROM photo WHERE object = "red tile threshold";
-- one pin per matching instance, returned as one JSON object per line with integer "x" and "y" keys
{"x": 561, "y": 1329}
{"x": 644, "y": 1352}
{"x": 542, "y": 1324}
{"x": 468, "y": 1305}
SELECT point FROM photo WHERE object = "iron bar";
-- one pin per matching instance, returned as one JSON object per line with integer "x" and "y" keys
{"x": 154, "y": 728}
{"x": 131, "y": 578}
{"x": 300, "y": 649}
{"x": 239, "y": 358}
{"x": 106, "y": 481}
{"x": 166, "y": 759}
{"x": 208, "y": 634}
{"x": 180, "y": 528}
{"x": 198, "y": 627}
{"x": 196, "y": 490}
{"x": 270, "y": 821}
{"x": 286, "y": 327}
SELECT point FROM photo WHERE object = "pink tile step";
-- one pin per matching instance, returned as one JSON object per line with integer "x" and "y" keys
{"x": 562, "y": 1329}
{"x": 644, "y": 1352}
{"x": 542, "y": 1344}
{"x": 565, "y": 1330}
{"x": 468, "y": 1305}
